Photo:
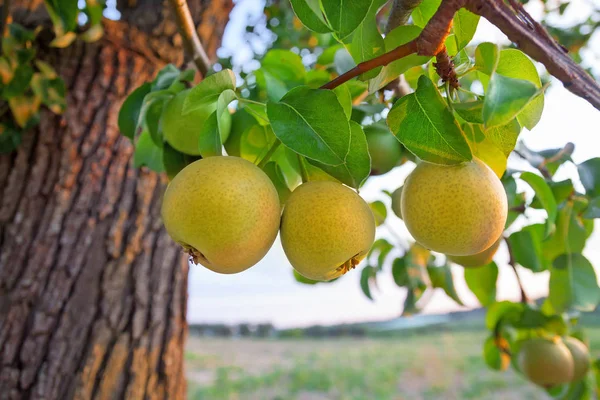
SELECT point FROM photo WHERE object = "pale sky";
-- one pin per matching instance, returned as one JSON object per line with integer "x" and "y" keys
{"x": 268, "y": 292}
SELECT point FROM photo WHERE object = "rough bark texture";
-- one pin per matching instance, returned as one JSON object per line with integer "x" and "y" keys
{"x": 92, "y": 290}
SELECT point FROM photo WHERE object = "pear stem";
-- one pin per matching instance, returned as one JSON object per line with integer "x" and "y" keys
{"x": 270, "y": 152}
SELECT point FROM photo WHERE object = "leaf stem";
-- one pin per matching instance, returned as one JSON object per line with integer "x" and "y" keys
{"x": 513, "y": 264}
{"x": 384, "y": 59}
{"x": 303, "y": 171}
{"x": 189, "y": 35}
{"x": 270, "y": 152}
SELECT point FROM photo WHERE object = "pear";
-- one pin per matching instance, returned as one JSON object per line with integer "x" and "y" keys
{"x": 224, "y": 211}
{"x": 477, "y": 260}
{"x": 326, "y": 229}
{"x": 581, "y": 357}
{"x": 546, "y": 362}
{"x": 458, "y": 209}
{"x": 182, "y": 132}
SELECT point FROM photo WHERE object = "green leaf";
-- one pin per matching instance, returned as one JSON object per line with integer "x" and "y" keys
{"x": 148, "y": 153}
{"x": 379, "y": 212}
{"x": 309, "y": 13}
{"x": 273, "y": 171}
{"x": 209, "y": 91}
{"x": 503, "y": 311}
{"x": 471, "y": 111}
{"x": 589, "y": 173}
{"x": 514, "y": 63}
{"x": 527, "y": 247}
{"x": 355, "y": 170}
{"x": 383, "y": 248}
{"x": 487, "y": 56}
{"x": 152, "y": 114}
{"x": 571, "y": 233}
{"x": 345, "y": 98}
{"x": 209, "y": 141}
{"x": 424, "y": 11}
{"x": 397, "y": 37}
{"x": 367, "y": 277}
{"x": 465, "y": 25}
{"x": 427, "y": 128}
{"x": 241, "y": 121}
{"x": 505, "y": 98}
{"x": 593, "y": 209}
{"x": 50, "y": 91}
{"x": 174, "y": 161}
{"x": 256, "y": 142}
{"x": 19, "y": 83}
{"x": 496, "y": 357}
{"x": 545, "y": 196}
{"x": 25, "y": 110}
{"x": 367, "y": 42}
{"x": 130, "y": 110}
{"x": 573, "y": 284}
{"x": 400, "y": 272}
{"x": 284, "y": 65}
{"x": 345, "y": 16}
{"x": 10, "y": 138}
{"x": 343, "y": 61}
{"x": 561, "y": 190}
{"x": 304, "y": 280}
{"x": 312, "y": 123}
{"x": 482, "y": 282}
{"x": 165, "y": 77}
{"x": 441, "y": 277}
{"x": 63, "y": 12}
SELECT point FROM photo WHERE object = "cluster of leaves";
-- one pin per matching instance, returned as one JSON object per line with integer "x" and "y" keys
{"x": 28, "y": 83}
{"x": 295, "y": 131}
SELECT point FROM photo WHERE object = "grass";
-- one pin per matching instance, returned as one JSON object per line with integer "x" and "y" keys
{"x": 443, "y": 365}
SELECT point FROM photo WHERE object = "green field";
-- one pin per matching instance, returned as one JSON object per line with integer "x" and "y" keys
{"x": 444, "y": 365}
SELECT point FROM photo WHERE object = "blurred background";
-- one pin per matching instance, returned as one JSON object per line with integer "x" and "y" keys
{"x": 262, "y": 335}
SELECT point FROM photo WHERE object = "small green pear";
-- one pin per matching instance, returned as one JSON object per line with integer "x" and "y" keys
{"x": 182, "y": 132}
{"x": 384, "y": 148}
{"x": 546, "y": 362}
{"x": 581, "y": 357}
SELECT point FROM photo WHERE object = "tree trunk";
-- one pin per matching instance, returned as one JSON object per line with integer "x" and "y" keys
{"x": 92, "y": 290}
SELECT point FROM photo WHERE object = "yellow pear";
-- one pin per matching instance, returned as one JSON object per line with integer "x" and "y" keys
{"x": 479, "y": 259}
{"x": 223, "y": 210}
{"x": 182, "y": 132}
{"x": 581, "y": 357}
{"x": 454, "y": 209}
{"x": 546, "y": 362}
{"x": 326, "y": 229}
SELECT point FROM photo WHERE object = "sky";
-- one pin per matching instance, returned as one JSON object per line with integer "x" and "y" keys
{"x": 268, "y": 292}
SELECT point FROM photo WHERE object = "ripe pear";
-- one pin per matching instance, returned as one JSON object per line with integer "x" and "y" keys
{"x": 458, "y": 209}
{"x": 397, "y": 202}
{"x": 182, "y": 132}
{"x": 326, "y": 229}
{"x": 384, "y": 148}
{"x": 223, "y": 210}
{"x": 581, "y": 357}
{"x": 479, "y": 259}
{"x": 546, "y": 362}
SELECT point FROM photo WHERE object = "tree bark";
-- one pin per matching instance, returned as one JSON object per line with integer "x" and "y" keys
{"x": 92, "y": 290}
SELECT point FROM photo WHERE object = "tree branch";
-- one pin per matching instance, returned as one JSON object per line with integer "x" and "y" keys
{"x": 536, "y": 42}
{"x": 380, "y": 61}
{"x": 191, "y": 41}
{"x": 513, "y": 264}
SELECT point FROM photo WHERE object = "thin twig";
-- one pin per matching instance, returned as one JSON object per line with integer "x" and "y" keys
{"x": 513, "y": 264}
{"x": 384, "y": 59}
{"x": 191, "y": 41}
{"x": 267, "y": 156}
{"x": 4, "y": 21}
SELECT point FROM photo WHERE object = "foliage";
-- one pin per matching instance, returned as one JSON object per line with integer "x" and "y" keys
{"x": 322, "y": 132}
{"x": 29, "y": 83}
